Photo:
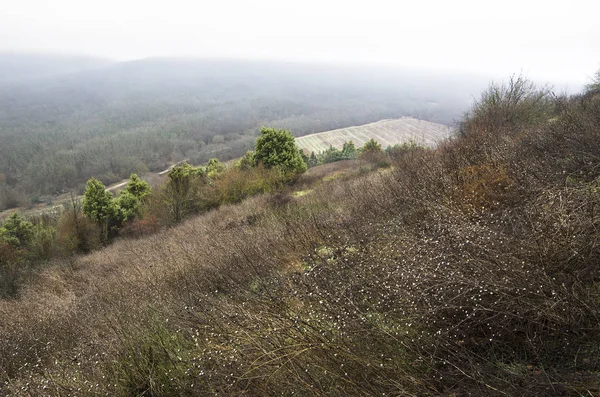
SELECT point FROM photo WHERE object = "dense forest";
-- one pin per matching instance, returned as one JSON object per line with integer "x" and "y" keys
{"x": 65, "y": 120}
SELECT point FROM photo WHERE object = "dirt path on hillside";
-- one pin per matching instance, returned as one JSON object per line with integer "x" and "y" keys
{"x": 60, "y": 200}
{"x": 124, "y": 182}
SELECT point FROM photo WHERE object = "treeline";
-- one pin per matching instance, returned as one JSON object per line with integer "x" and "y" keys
{"x": 141, "y": 116}
{"x": 371, "y": 151}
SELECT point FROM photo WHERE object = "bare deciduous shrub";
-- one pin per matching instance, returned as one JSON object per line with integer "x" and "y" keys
{"x": 10, "y": 274}
{"x": 76, "y": 233}
{"x": 484, "y": 186}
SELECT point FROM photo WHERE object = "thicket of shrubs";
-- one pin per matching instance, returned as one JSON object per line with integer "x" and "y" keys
{"x": 100, "y": 217}
{"x": 471, "y": 269}
{"x": 371, "y": 152}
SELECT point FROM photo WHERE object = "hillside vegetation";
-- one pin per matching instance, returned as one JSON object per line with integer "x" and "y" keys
{"x": 386, "y": 132}
{"x": 59, "y": 128}
{"x": 468, "y": 269}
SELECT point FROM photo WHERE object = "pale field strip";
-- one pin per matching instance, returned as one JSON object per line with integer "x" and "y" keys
{"x": 387, "y": 132}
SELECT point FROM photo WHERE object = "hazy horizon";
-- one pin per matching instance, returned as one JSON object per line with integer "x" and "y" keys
{"x": 547, "y": 41}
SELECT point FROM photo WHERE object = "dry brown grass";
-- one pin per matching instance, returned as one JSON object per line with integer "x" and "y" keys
{"x": 468, "y": 270}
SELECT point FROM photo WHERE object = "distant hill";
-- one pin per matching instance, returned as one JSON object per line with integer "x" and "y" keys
{"x": 16, "y": 67}
{"x": 386, "y": 132}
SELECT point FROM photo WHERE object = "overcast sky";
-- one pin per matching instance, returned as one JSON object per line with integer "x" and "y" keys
{"x": 548, "y": 40}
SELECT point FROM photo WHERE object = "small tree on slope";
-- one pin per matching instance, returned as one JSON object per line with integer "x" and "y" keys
{"x": 277, "y": 148}
{"x": 99, "y": 204}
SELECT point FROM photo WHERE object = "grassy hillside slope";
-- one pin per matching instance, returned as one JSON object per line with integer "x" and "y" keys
{"x": 386, "y": 132}
{"x": 469, "y": 269}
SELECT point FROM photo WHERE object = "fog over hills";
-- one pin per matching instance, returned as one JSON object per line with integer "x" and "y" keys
{"x": 64, "y": 119}
{"x": 21, "y": 66}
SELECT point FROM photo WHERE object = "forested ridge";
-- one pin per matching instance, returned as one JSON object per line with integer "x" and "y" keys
{"x": 109, "y": 120}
